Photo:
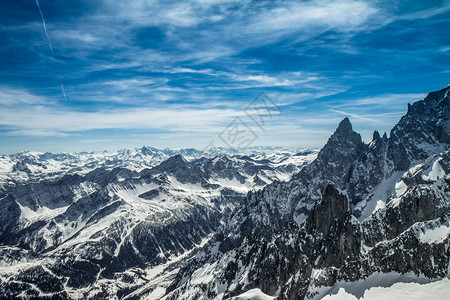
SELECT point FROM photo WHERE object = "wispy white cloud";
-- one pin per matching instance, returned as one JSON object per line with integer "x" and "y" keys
{"x": 381, "y": 100}
{"x": 57, "y": 121}
{"x": 311, "y": 16}
{"x": 444, "y": 49}
{"x": 133, "y": 83}
{"x": 374, "y": 119}
{"x": 263, "y": 80}
{"x": 427, "y": 13}
{"x": 301, "y": 20}
{"x": 154, "y": 12}
{"x": 13, "y": 97}
{"x": 76, "y": 35}
{"x": 240, "y": 25}
{"x": 37, "y": 133}
{"x": 95, "y": 141}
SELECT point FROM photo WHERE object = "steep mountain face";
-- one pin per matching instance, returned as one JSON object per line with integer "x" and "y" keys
{"x": 100, "y": 233}
{"x": 357, "y": 210}
{"x": 423, "y": 131}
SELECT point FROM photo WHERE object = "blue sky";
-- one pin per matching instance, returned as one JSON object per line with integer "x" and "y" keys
{"x": 122, "y": 74}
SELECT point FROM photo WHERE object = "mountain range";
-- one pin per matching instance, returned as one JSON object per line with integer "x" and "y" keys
{"x": 264, "y": 224}
{"x": 96, "y": 224}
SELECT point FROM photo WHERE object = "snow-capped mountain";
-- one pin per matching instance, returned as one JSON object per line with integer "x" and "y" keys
{"x": 357, "y": 211}
{"x": 29, "y": 166}
{"x": 261, "y": 224}
{"x": 96, "y": 225}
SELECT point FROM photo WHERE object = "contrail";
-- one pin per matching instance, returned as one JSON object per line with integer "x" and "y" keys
{"x": 63, "y": 91}
{"x": 49, "y": 43}
{"x": 45, "y": 27}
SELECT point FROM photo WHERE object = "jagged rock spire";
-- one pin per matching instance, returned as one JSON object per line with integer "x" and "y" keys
{"x": 376, "y": 136}
{"x": 344, "y": 125}
{"x": 345, "y": 131}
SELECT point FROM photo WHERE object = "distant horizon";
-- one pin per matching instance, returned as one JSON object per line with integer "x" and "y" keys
{"x": 367, "y": 139}
{"x": 366, "y": 136}
{"x": 105, "y": 75}
{"x": 162, "y": 149}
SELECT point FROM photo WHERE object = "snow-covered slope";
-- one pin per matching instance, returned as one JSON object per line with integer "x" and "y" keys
{"x": 391, "y": 288}
{"x": 254, "y": 294}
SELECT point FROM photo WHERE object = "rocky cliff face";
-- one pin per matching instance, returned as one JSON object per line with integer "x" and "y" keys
{"x": 384, "y": 208}
{"x": 423, "y": 131}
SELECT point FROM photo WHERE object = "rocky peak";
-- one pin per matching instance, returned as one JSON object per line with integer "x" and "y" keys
{"x": 344, "y": 125}
{"x": 145, "y": 150}
{"x": 341, "y": 149}
{"x": 433, "y": 103}
{"x": 176, "y": 159}
{"x": 376, "y": 136}
{"x": 173, "y": 164}
{"x": 344, "y": 132}
{"x": 435, "y": 98}
{"x": 422, "y": 131}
